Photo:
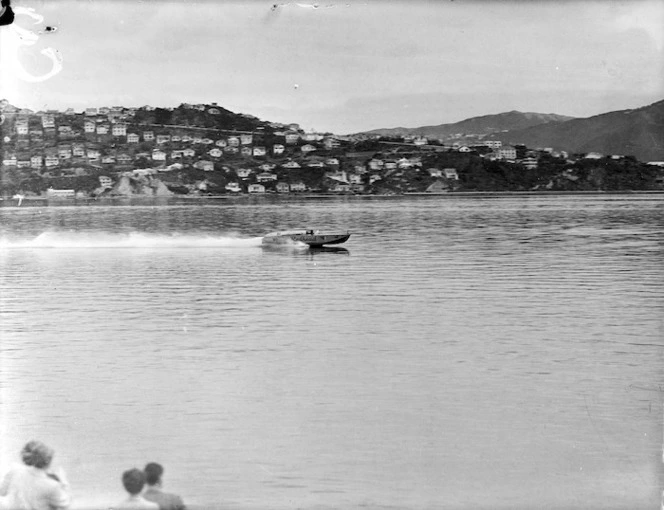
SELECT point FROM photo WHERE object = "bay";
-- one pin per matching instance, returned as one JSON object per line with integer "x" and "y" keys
{"x": 460, "y": 352}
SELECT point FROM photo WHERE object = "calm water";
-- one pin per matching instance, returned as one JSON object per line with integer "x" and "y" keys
{"x": 472, "y": 352}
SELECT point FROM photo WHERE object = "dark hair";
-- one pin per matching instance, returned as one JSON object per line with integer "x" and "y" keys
{"x": 153, "y": 472}
{"x": 37, "y": 454}
{"x": 133, "y": 481}
{"x": 5, "y": 3}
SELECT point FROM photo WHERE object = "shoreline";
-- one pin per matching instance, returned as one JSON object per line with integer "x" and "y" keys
{"x": 9, "y": 201}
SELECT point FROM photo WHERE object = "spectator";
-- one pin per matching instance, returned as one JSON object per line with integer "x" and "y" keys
{"x": 134, "y": 481}
{"x": 6, "y": 13}
{"x": 166, "y": 501}
{"x": 31, "y": 486}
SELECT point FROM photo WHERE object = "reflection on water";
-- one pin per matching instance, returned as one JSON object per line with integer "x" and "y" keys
{"x": 459, "y": 353}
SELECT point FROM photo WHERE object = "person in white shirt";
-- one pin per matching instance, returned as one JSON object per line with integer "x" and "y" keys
{"x": 31, "y": 486}
{"x": 134, "y": 481}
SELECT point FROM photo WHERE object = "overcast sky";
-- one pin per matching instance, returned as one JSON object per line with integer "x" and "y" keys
{"x": 342, "y": 67}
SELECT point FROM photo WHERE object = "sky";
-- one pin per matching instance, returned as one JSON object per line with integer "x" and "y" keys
{"x": 340, "y": 67}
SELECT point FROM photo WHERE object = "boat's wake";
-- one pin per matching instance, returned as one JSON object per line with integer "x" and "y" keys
{"x": 133, "y": 240}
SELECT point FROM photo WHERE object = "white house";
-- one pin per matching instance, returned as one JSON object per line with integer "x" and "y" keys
{"x": 259, "y": 151}
{"x": 107, "y": 160}
{"x": 435, "y": 172}
{"x": 148, "y": 136}
{"x": 51, "y": 160}
{"x": 233, "y": 141}
{"x": 124, "y": 159}
{"x": 233, "y": 187}
{"x": 292, "y": 137}
{"x": 298, "y": 186}
{"x": 48, "y": 120}
{"x": 243, "y": 173}
{"x": 283, "y": 187}
{"x": 451, "y": 173}
{"x": 22, "y": 129}
{"x": 93, "y": 154}
{"x": 105, "y": 181}
{"x": 162, "y": 139}
{"x": 291, "y": 164}
{"x": 78, "y": 150}
{"x": 216, "y": 152}
{"x": 89, "y": 126}
{"x": 102, "y": 129}
{"x": 277, "y": 148}
{"x": 36, "y": 161}
{"x": 307, "y": 148}
{"x": 256, "y": 188}
{"x": 158, "y": 155}
{"x": 246, "y": 139}
{"x": 90, "y": 112}
{"x": 246, "y": 151}
{"x": 266, "y": 177}
{"x": 119, "y": 130}
{"x": 133, "y": 138}
{"x": 221, "y": 143}
{"x": 188, "y": 153}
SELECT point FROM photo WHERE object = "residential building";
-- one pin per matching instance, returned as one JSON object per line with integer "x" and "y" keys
{"x": 246, "y": 151}
{"x": 188, "y": 153}
{"x": 162, "y": 139}
{"x": 492, "y": 144}
{"x": 256, "y": 188}
{"x": 93, "y": 154}
{"x": 48, "y": 120}
{"x": 331, "y": 143}
{"x": 246, "y": 139}
{"x": 64, "y": 152}
{"x": 78, "y": 150}
{"x": 298, "y": 186}
{"x": 283, "y": 187}
{"x": 233, "y": 141}
{"x": 451, "y": 173}
{"x": 90, "y": 126}
{"x": 36, "y": 161}
{"x": 119, "y": 130}
{"x": 90, "y": 112}
{"x": 507, "y": 152}
{"x": 51, "y": 160}
{"x": 107, "y": 160}
{"x": 435, "y": 172}
{"x": 233, "y": 187}
{"x": 277, "y": 148}
{"x": 292, "y": 137}
{"x": 216, "y": 152}
{"x": 105, "y": 182}
{"x": 529, "y": 163}
{"x": 291, "y": 164}
{"x": 307, "y": 148}
{"x": 243, "y": 173}
{"x": 221, "y": 143}
{"x": 133, "y": 138}
{"x": 259, "y": 151}
{"x": 102, "y": 129}
{"x": 266, "y": 177}
{"x": 158, "y": 155}
{"x": 148, "y": 136}
{"x": 124, "y": 159}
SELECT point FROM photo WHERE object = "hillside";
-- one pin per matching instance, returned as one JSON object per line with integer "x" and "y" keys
{"x": 483, "y": 125}
{"x": 638, "y": 132}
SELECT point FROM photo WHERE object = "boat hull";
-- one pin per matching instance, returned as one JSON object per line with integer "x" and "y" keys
{"x": 313, "y": 239}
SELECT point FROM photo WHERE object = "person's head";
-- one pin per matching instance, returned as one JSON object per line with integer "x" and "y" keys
{"x": 5, "y": 3}
{"x": 37, "y": 454}
{"x": 133, "y": 481}
{"x": 153, "y": 472}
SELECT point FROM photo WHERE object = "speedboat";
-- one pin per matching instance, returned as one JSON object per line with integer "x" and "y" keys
{"x": 314, "y": 238}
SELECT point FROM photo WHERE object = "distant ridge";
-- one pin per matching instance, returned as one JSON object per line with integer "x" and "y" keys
{"x": 484, "y": 125}
{"x": 638, "y": 132}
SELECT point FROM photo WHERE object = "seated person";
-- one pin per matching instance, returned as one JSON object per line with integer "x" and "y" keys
{"x": 134, "y": 481}
{"x": 153, "y": 477}
{"x": 6, "y": 13}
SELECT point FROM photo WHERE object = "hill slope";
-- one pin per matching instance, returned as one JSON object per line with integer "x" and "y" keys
{"x": 483, "y": 125}
{"x": 638, "y": 132}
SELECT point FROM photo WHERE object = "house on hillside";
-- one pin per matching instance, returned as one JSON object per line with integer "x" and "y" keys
{"x": 233, "y": 187}
{"x": 259, "y": 151}
{"x": 291, "y": 164}
{"x": 36, "y": 161}
{"x": 451, "y": 173}
{"x": 148, "y": 136}
{"x": 256, "y": 188}
{"x": 266, "y": 177}
{"x": 133, "y": 138}
{"x": 158, "y": 155}
{"x": 246, "y": 139}
{"x": 89, "y": 126}
{"x": 283, "y": 187}
{"x": 243, "y": 173}
{"x": 102, "y": 129}
{"x": 277, "y": 148}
